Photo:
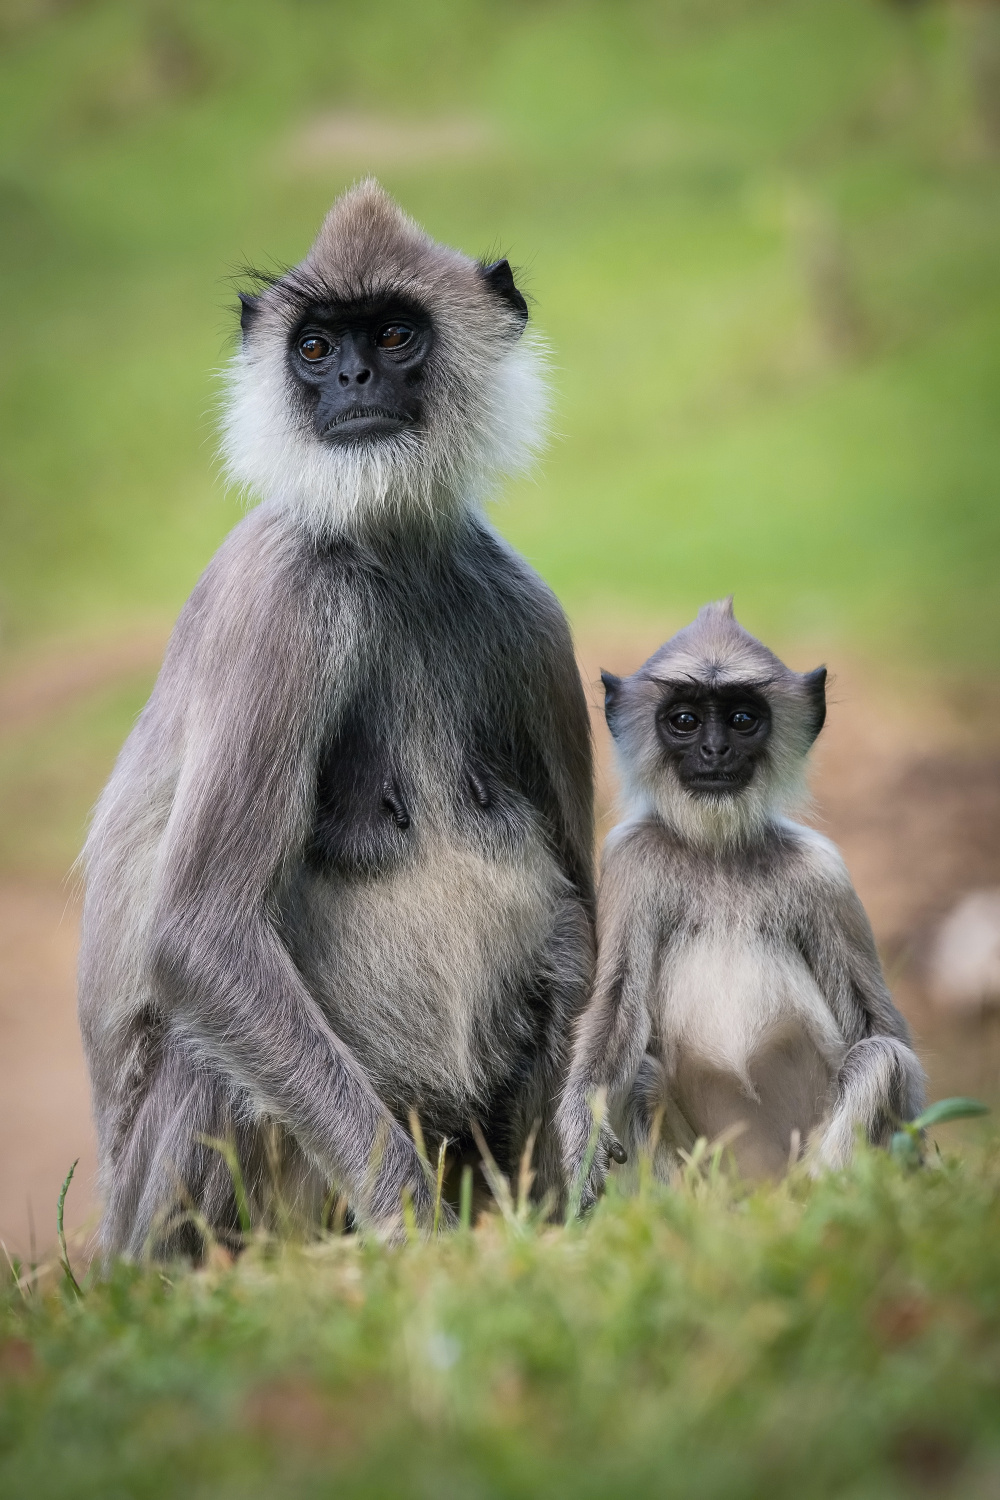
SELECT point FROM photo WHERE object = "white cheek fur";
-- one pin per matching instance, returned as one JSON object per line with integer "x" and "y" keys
{"x": 651, "y": 788}
{"x": 449, "y": 466}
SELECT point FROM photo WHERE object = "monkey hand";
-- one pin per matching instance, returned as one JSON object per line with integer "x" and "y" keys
{"x": 607, "y": 1149}
{"x": 403, "y": 1199}
{"x": 417, "y": 1211}
{"x": 587, "y": 1159}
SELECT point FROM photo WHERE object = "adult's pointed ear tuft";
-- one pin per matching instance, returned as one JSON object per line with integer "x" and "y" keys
{"x": 500, "y": 279}
{"x": 815, "y": 685}
{"x": 612, "y": 697}
{"x": 248, "y": 311}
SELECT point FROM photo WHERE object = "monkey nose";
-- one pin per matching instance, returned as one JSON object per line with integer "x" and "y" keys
{"x": 360, "y": 377}
{"x": 718, "y": 751}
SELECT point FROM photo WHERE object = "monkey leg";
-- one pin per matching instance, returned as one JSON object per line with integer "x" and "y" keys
{"x": 649, "y": 1120}
{"x": 880, "y": 1083}
{"x": 168, "y": 1186}
{"x": 560, "y": 994}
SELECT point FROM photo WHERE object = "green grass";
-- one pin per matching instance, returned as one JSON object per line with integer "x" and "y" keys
{"x": 835, "y": 1339}
{"x": 762, "y": 236}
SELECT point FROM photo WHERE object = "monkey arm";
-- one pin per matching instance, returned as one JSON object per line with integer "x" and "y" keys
{"x": 560, "y": 775}
{"x": 612, "y": 1033}
{"x": 256, "y": 680}
{"x": 880, "y": 1080}
{"x": 569, "y": 756}
{"x": 835, "y": 938}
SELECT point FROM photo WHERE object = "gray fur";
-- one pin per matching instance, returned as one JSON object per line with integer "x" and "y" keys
{"x": 737, "y": 976}
{"x": 266, "y": 952}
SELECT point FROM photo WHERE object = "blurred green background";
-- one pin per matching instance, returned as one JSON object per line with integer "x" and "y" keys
{"x": 762, "y": 238}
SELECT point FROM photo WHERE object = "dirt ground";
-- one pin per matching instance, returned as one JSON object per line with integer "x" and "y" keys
{"x": 906, "y": 782}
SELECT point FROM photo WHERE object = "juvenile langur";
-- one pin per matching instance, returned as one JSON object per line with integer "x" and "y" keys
{"x": 342, "y": 869}
{"x": 737, "y": 978}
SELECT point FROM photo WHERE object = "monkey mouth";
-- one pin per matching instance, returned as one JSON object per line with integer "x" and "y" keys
{"x": 363, "y": 422}
{"x": 716, "y": 781}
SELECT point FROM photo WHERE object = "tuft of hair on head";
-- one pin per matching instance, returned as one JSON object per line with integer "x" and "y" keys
{"x": 715, "y": 651}
{"x": 486, "y": 396}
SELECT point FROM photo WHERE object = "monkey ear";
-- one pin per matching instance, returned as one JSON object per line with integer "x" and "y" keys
{"x": 248, "y": 310}
{"x": 500, "y": 279}
{"x": 612, "y": 695}
{"x": 815, "y": 685}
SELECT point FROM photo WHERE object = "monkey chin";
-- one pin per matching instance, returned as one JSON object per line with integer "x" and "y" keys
{"x": 722, "y": 787}
{"x": 366, "y": 425}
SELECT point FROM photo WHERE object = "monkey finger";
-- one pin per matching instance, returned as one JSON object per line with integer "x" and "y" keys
{"x": 617, "y": 1151}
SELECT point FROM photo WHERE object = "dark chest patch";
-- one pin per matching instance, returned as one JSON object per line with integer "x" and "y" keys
{"x": 363, "y": 819}
{"x": 371, "y": 805}
{"x": 442, "y": 724}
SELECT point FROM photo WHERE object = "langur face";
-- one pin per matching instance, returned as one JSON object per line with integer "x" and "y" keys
{"x": 361, "y": 369}
{"x": 714, "y": 737}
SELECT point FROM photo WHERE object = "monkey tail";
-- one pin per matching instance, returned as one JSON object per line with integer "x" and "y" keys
{"x": 881, "y": 1083}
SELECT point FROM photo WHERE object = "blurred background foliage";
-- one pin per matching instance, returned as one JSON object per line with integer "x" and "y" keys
{"x": 761, "y": 235}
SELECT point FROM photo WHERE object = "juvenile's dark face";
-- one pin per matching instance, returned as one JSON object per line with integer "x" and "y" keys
{"x": 361, "y": 369}
{"x": 714, "y": 737}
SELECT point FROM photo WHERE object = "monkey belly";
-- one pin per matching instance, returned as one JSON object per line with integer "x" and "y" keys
{"x": 792, "y": 1091}
{"x": 748, "y": 1039}
{"x": 432, "y": 971}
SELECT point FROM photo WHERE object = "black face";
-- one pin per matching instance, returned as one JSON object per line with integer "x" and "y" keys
{"x": 714, "y": 737}
{"x": 361, "y": 369}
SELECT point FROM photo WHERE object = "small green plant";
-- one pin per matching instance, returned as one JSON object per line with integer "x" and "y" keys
{"x": 907, "y": 1145}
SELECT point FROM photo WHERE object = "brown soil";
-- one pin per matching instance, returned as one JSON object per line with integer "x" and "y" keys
{"x": 53, "y": 679}
{"x": 44, "y": 1098}
{"x": 917, "y": 817}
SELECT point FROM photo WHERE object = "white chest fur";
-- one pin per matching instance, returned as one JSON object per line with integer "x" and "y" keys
{"x": 723, "y": 998}
{"x": 747, "y": 1040}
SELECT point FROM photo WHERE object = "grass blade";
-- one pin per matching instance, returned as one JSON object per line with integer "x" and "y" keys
{"x": 465, "y": 1199}
{"x": 439, "y": 1182}
{"x": 526, "y": 1173}
{"x": 61, "y": 1233}
{"x": 498, "y": 1184}
{"x": 227, "y": 1150}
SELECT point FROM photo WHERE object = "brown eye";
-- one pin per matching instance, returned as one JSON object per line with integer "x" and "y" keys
{"x": 393, "y": 336}
{"x": 743, "y": 720}
{"x": 312, "y": 347}
{"x": 684, "y": 722}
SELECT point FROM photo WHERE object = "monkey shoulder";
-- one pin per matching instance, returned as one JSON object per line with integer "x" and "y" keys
{"x": 535, "y": 608}
{"x": 266, "y": 574}
{"x": 642, "y": 861}
{"x": 790, "y": 873}
{"x": 518, "y": 619}
{"x": 507, "y": 567}
{"x": 637, "y": 839}
{"x": 814, "y": 861}
{"x": 268, "y": 620}
{"x": 822, "y": 907}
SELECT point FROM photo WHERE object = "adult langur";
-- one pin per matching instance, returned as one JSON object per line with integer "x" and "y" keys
{"x": 342, "y": 869}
